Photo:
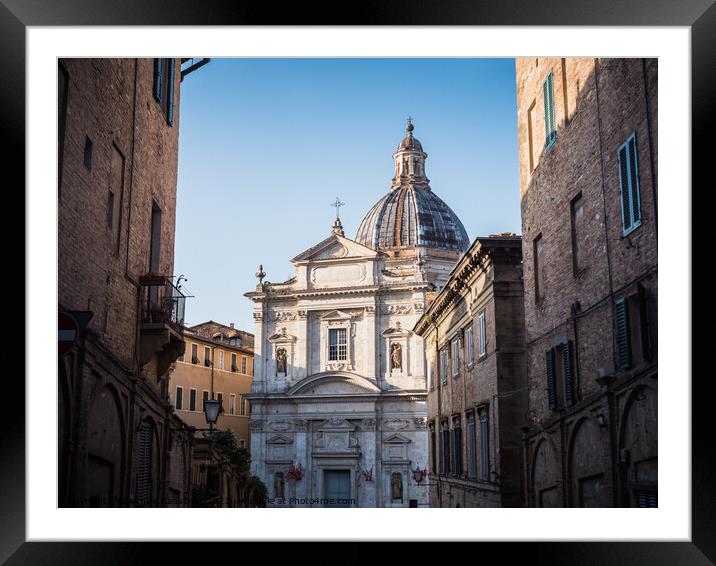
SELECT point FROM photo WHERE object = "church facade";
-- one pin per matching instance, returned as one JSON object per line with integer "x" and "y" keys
{"x": 339, "y": 396}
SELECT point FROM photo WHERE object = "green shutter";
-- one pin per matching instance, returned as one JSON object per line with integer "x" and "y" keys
{"x": 623, "y": 345}
{"x": 551, "y": 380}
{"x": 644, "y": 321}
{"x": 548, "y": 94}
{"x": 170, "y": 93}
{"x": 158, "y": 79}
{"x": 624, "y": 189}
{"x": 568, "y": 362}
{"x": 634, "y": 182}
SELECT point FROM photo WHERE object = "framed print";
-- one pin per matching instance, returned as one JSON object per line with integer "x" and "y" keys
{"x": 480, "y": 336}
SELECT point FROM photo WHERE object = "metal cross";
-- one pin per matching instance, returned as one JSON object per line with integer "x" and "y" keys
{"x": 338, "y": 204}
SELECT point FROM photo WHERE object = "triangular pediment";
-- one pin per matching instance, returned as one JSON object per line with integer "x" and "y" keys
{"x": 396, "y": 439}
{"x": 336, "y": 247}
{"x": 336, "y": 423}
{"x": 336, "y": 315}
{"x": 280, "y": 439}
{"x": 282, "y": 336}
{"x": 334, "y": 384}
{"x": 395, "y": 331}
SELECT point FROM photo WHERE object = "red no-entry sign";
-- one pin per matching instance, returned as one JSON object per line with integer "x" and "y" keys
{"x": 67, "y": 332}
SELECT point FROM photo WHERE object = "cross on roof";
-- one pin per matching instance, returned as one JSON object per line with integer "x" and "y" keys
{"x": 338, "y": 204}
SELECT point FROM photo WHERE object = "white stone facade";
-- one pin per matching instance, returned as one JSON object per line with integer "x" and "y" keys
{"x": 352, "y": 423}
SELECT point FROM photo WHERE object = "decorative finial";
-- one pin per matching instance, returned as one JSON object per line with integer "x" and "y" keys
{"x": 410, "y": 126}
{"x": 260, "y": 274}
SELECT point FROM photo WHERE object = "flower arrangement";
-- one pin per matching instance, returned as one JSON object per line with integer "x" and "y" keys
{"x": 295, "y": 472}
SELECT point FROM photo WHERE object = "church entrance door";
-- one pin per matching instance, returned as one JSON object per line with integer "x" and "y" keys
{"x": 337, "y": 487}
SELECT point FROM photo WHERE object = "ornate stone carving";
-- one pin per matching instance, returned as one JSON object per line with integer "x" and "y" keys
{"x": 368, "y": 424}
{"x": 281, "y": 360}
{"x": 396, "y": 357}
{"x": 421, "y": 423}
{"x": 302, "y": 314}
{"x": 300, "y": 425}
{"x": 370, "y": 310}
{"x": 258, "y": 316}
{"x": 279, "y": 425}
{"x": 284, "y": 315}
{"x": 257, "y": 425}
{"x": 396, "y": 424}
{"x": 397, "y": 309}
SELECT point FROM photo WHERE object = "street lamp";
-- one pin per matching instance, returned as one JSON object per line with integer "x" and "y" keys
{"x": 212, "y": 408}
{"x": 418, "y": 474}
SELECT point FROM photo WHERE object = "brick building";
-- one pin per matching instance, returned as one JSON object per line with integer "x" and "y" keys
{"x": 119, "y": 440}
{"x": 588, "y": 187}
{"x": 475, "y": 351}
{"x": 217, "y": 364}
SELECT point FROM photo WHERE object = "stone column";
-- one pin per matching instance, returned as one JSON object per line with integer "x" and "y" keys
{"x": 303, "y": 347}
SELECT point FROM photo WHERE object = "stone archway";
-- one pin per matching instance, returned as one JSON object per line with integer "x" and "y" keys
{"x": 587, "y": 477}
{"x": 105, "y": 449}
{"x": 638, "y": 449}
{"x": 545, "y": 476}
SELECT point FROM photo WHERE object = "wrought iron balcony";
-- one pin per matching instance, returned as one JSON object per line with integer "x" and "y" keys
{"x": 162, "y": 301}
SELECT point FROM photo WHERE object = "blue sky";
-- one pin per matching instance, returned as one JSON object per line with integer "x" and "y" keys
{"x": 266, "y": 145}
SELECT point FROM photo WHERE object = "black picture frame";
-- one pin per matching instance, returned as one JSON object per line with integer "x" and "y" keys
{"x": 698, "y": 15}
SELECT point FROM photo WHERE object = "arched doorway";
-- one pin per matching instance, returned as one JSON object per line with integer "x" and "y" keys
{"x": 638, "y": 449}
{"x": 586, "y": 466}
{"x": 545, "y": 475}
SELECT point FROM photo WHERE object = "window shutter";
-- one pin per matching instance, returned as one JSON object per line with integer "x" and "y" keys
{"x": 568, "y": 361}
{"x": 158, "y": 79}
{"x": 485, "y": 441}
{"x": 548, "y": 93}
{"x": 644, "y": 320}
{"x": 551, "y": 378}
{"x": 634, "y": 181}
{"x": 144, "y": 465}
{"x": 624, "y": 188}
{"x": 646, "y": 499}
{"x": 170, "y": 93}
{"x": 623, "y": 346}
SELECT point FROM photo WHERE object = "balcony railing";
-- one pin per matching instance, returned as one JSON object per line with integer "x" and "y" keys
{"x": 162, "y": 301}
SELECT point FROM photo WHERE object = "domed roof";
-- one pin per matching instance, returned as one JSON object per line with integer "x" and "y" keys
{"x": 411, "y": 214}
{"x": 412, "y": 217}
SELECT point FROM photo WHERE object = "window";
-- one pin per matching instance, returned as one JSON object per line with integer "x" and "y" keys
{"x": 550, "y": 129}
{"x": 220, "y": 399}
{"x": 482, "y": 338}
{"x": 455, "y": 345}
{"x": 633, "y": 329}
{"x": 538, "y": 266}
{"x": 205, "y": 398}
{"x": 577, "y": 215}
{"x": 194, "y": 354}
{"x": 433, "y": 448}
{"x": 220, "y": 361}
{"x": 457, "y": 446}
{"x": 444, "y": 448}
{"x": 530, "y": 135}
{"x": 88, "y": 153}
{"x": 471, "y": 446}
{"x": 156, "y": 238}
{"x": 560, "y": 376}
{"x": 243, "y": 365}
{"x": 242, "y": 405}
{"x": 114, "y": 197}
{"x": 337, "y": 344}
{"x": 485, "y": 444}
{"x": 431, "y": 374}
{"x": 232, "y": 404}
{"x": 192, "y": 399}
{"x": 207, "y": 356}
{"x": 629, "y": 185}
{"x": 179, "y": 398}
{"x": 443, "y": 365}
{"x": 469, "y": 346}
{"x": 63, "y": 82}
{"x": 164, "y": 86}
{"x": 233, "y": 362}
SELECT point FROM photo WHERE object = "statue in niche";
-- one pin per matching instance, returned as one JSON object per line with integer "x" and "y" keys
{"x": 281, "y": 361}
{"x": 278, "y": 483}
{"x": 396, "y": 486}
{"x": 396, "y": 357}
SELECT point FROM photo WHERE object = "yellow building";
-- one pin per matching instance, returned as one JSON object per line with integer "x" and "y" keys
{"x": 218, "y": 363}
